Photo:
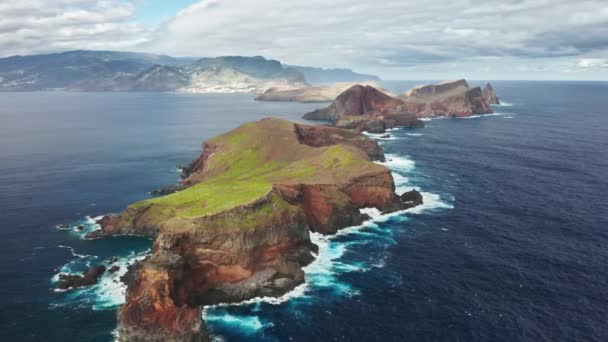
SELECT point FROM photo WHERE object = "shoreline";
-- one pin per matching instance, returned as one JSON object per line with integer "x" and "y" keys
{"x": 397, "y": 165}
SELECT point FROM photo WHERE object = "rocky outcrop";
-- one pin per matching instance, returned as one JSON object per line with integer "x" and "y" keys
{"x": 88, "y": 277}
{"x": 240, "y": 228}
{"x": 490, "y": 95}
{"x": 365, "y": 108}
{"x": 154, "y": 310}
{"x": 357, "y": 100}
{"x": 411, "y": 198}
{"x": 451, "y": 98}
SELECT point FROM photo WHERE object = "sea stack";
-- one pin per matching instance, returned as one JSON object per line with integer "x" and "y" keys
{"x": 490, "y": 94}
{"x": 366, "y": 108}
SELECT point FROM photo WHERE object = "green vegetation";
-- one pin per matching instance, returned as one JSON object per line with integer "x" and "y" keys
{"x": 275, "y": 206}
{"x": 245, "y": 164}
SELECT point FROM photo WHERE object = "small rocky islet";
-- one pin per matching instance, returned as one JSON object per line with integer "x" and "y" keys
{"x": 237, "y": 226}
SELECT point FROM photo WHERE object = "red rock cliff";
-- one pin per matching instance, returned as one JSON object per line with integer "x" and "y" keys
{"x": 318, "y": 178}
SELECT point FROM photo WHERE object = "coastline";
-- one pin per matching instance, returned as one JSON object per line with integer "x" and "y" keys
{"x": 111, "y": 227}
{"x": 325, "y": 260}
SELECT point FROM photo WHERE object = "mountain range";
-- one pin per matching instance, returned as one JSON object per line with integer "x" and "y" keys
{"x": 83, "y": 70}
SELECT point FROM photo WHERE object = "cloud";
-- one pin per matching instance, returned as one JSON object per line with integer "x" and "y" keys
{"x": 395, "y": 33}
{"x": 592, "y": 64}
{"x": 391, "y": 38}
{"x": 37, "y": 26}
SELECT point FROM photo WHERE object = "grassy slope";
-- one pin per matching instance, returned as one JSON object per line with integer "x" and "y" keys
{"x": 249, "y": 160}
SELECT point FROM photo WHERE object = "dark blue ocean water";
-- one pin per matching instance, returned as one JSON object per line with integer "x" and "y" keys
{"x": 511, "y": 244}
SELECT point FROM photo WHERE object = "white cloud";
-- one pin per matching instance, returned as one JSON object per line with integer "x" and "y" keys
{"x": 592, "y": 63}
{"x": 394, "y": 37}
{"x": 393, "y": 34}
{"x": 37, "y": 26}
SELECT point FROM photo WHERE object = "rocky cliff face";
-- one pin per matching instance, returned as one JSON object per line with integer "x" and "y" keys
{"x": 239, "y": 227}
{"x": 490, "y": 94}
{"x": 452, "y": 98}
{"x": 365, "y": 108}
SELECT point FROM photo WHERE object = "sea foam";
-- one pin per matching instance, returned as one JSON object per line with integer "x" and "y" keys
{"x": 323, "y": 273}
{"x": 108, "y": 293}
{"x": 88, "y": 225}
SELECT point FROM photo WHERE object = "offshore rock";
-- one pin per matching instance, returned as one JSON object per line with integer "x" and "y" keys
{"x": 88, "y": 277}
{"x": 490, "y": 94}
{"x": 412, "y": 198}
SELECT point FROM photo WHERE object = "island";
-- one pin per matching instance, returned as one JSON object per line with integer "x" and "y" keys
{"x": 366, "y": 108}
{"x": 239, "y": 224}
{"x": 451, "y": 98}
{"x": 85, "y": 70}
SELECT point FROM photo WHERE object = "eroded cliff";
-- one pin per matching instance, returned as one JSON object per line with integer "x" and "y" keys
{"x": 451, "y": 98}
{"x": 239, "y": 225}
{"x": 365, "y": 108}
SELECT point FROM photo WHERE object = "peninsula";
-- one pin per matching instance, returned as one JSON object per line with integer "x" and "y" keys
{"x": 239, "y": 226}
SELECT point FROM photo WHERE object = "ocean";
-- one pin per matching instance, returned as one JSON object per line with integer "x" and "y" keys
{"x": 510, "y": 245}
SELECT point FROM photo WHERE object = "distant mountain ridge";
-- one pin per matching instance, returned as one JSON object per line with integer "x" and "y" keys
{"x": 83, "y": 70}
{"x": 321, "y": 75}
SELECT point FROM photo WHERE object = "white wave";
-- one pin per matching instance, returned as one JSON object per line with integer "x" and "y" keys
{"x": 109, "y": 292}
{"x": 503, "y": 104}
{"x": 84, "y": 226}
{"x": 321, "y": 273}
{"x": 396, "y": 162}
{"x": 431, "y": 202}
{"x": 476, "y": 116}
{"x": 73, "y": 252}
{"x": 380, "y": 136}
{"x": 414, "y": 134}
{"x": 323, "y": 270}
{"x": 431, "y": 118}
{"x": 77, "y": 266}
{"x": 248, "y": 324}
{"x": 400, "y": 179}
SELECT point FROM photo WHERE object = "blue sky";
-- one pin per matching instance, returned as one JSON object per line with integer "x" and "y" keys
{"x": 152, "y": 12}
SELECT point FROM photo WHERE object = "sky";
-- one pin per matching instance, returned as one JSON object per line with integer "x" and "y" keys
{"x": 395, "y": 39}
